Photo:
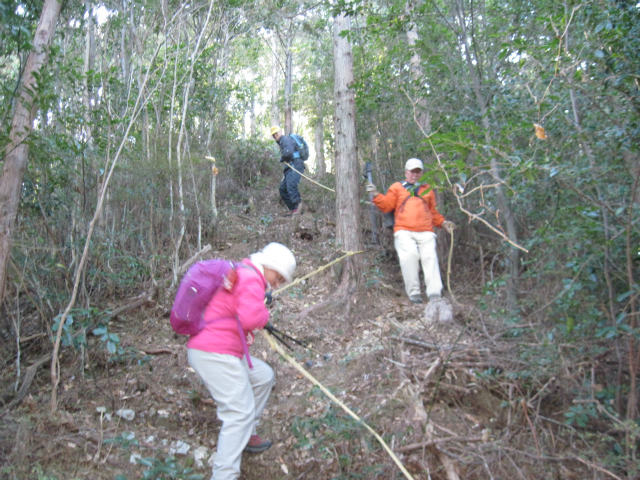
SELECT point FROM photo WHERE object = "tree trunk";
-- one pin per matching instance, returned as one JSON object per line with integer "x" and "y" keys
{"x": 275, "y": 86}
{"x": 180, "y": 145}
{"x": 288, "y": 89}
{"x": 89, "y": 56}
{"x": 421, "y": 109}
{"x": 17, "y": 151}
{"x": 347, "y": 202}
{"x": 321, "y": 167}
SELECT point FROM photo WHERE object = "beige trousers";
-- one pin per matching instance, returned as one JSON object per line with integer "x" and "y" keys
{"x": 415, "y": 248}
{"x": 241, "y": 394}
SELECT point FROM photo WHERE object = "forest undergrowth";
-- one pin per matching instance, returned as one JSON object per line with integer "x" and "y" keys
{"x": 476, "y": 398}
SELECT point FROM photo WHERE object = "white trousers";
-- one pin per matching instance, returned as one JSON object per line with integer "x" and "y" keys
{"x": 416, "y": 248}
{"x": 241, "y": 394}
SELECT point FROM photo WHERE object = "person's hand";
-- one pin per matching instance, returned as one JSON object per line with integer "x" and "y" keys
{"x": 448, "y": 226}
{"x": 371, "y": 188}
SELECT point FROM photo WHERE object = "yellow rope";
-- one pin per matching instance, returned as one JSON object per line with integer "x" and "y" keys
{"x": 311, "y": 179}
{"x": 275, "y": 346}
{"x": 313, "y": 380}
{"x": 318, "y": 270}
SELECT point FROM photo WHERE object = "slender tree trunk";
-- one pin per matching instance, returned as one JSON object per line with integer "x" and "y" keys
{"x": 89, "y": 57}
{"x": 288, "y": 88}
{"x": 318, "y": 129}
{"x": 421, "y": 107}
{"x": 182, "y": 142}
{"x": 139, "y": 104}
{"x": 253, "y": 130}
{"x": 275, "y": 86}
{"x": 17, "y": 150}
{"x": 347, "y": 202}
{"x": 172, "y": 193}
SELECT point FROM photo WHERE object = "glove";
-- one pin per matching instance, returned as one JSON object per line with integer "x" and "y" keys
{"x": 371, "y": 188}
{"x": 448, "y": 226}
{"x": 268, "y": 298}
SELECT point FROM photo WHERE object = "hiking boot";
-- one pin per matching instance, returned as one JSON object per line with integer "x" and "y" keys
{"x": 415, "y": 298}
{"x": 257, "y": 444}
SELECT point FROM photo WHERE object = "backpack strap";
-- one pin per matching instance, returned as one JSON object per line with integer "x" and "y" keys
{"x": 426, "y": 204}
{"x": 241, "y": 333}
{"x": 243, "y": 339}
{"x": 296, "y": 154}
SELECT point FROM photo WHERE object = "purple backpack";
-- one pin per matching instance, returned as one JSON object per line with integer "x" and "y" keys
{"x": 197, "y": 287}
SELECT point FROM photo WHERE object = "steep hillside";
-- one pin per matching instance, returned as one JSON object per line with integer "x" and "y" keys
{"x": 427, "y": 388}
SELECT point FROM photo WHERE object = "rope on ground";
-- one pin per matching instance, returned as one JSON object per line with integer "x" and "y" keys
{"x": 311, "y": 179}
{"x": 313, "y": 380}
{"x": 318, "y": 270}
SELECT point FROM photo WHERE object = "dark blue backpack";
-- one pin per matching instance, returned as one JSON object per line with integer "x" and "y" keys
{"x": 301, "y": 146}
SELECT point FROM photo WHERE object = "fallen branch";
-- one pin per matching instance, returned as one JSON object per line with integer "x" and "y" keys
{"x": 134, "y": 303}
{"x": 183, "y": 268}
{"x": 419, "y": 343}
{"x": 29, "y": 375}
{"x": 596, "y": 467}
{"x": 158, "y": 351}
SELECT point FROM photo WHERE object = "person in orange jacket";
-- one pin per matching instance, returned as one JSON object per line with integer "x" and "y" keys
{"x": 416, "y": 215}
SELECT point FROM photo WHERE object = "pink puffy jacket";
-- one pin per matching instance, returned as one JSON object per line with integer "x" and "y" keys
{"x": 246, "y": 301}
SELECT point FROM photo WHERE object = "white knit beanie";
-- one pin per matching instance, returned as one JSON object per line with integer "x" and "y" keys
{"x": 276, "y": 257}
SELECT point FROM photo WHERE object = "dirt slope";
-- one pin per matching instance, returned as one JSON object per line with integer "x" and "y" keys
{"x": 415, "y": 383}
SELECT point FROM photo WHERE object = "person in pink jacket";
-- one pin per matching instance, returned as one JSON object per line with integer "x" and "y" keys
{"x": 239, "y": 384}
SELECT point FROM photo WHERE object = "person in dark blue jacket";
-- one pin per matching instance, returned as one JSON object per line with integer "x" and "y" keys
{"x": 290, "y": 156}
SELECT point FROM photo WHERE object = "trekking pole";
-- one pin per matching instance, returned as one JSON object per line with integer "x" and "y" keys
{"x": 276, "y": 334}
{"x": 372, "y": 210}
{"x": 280, "y": 335}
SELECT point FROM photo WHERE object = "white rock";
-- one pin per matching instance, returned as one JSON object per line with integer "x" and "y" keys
{"x": 134, "y": 458}
{"x": 199, "y": 456}
{"x": 179, "y": 448}
{"x": 126, "y": 413}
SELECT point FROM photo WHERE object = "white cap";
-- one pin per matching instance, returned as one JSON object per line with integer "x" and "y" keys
{"x": 276, "y": 257}
{"x": 413, "y": 163}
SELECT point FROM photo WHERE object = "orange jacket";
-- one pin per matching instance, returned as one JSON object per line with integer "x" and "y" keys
{"x": 410, "y": 212}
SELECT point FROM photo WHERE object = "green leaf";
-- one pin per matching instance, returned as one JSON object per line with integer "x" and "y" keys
{"x": 99, "y": 331}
